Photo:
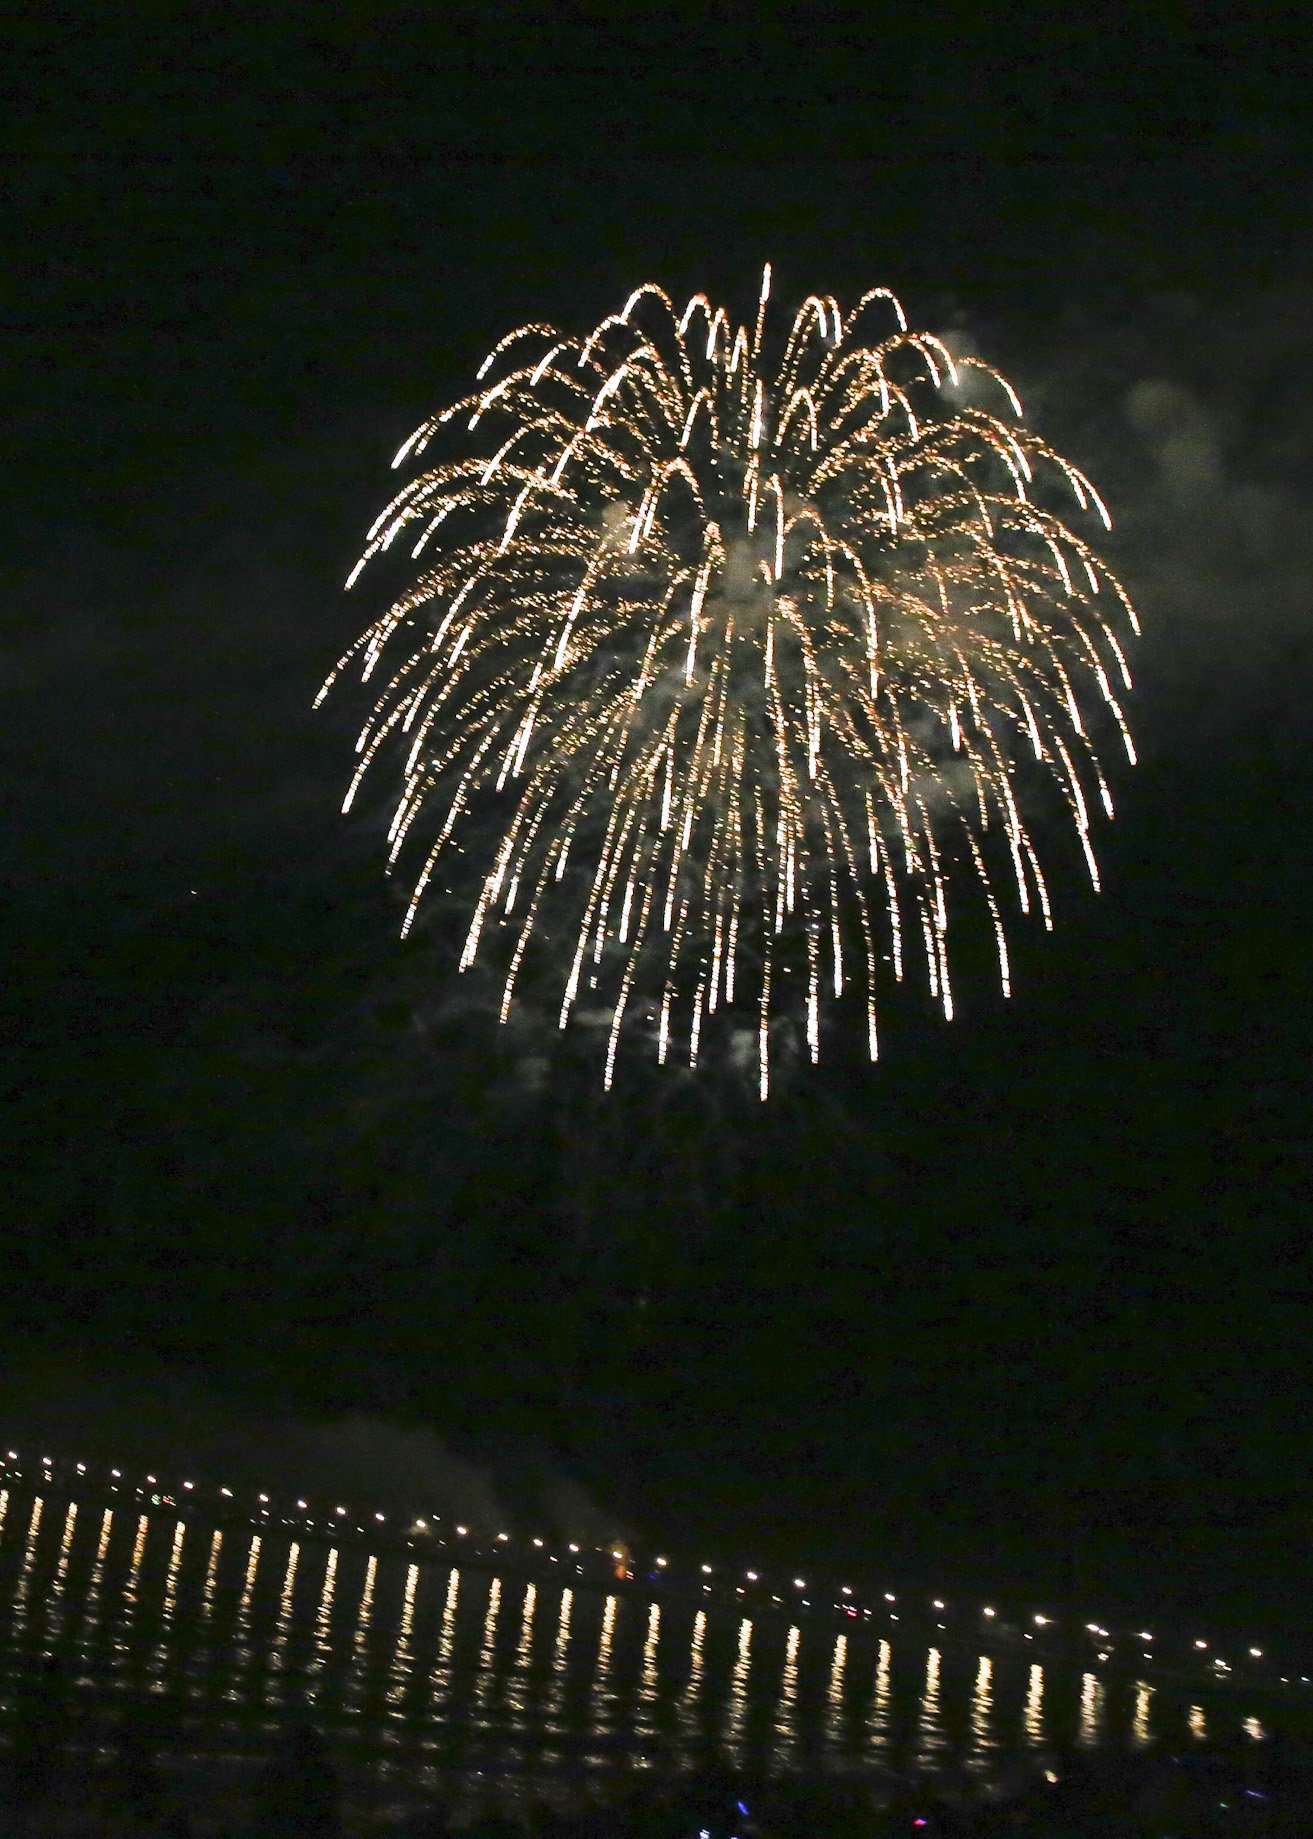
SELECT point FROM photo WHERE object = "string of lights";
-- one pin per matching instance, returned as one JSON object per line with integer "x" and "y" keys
{"x": 615, "y": 1563}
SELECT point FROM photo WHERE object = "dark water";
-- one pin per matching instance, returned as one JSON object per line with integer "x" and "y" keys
{"x": 420, "y": 1672}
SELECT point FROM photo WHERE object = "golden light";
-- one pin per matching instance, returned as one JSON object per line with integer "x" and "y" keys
{"x": 704, "y": 624}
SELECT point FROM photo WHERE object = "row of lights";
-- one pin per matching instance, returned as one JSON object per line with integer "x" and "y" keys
{"x": 988, "y": 1613}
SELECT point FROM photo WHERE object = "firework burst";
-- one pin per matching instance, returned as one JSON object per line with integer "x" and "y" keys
{"x": 743, "y": 665}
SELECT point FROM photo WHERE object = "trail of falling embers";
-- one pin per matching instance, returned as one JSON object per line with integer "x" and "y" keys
{"x": 741, "y": 663}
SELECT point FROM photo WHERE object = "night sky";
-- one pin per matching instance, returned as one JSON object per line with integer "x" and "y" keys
{"x": 1030, "y": 1300}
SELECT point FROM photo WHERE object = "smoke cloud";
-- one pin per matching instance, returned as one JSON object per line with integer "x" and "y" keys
{"x": 171, "y": 1428}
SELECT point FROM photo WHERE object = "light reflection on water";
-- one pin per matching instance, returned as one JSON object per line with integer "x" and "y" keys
{"x": 243, "y": 1649}
{"x": 24, "y": 1589}
{"x": 786, "y": 1707}
{"x": 357, "y": 1667}
{"x": 321, "y": 1644}
{"x": 599, "y": 1722}
{"x": 834, "y": 1696}
{"x": 53, "y": 1619}
{"x": 410, "y": 1665}
{"x": 163, "y": 1645}
{"x": 122, "y": 1647}
{"x": 517, "y": 1698}
{"x": 983, "y": 1740}
{"x": 1141, "y": 1730}
{"x": 644, "y": 1721}
{"x": 689, "y": 1711}
{"x": 402, "y": 1665}
{"x": 440, "y": 1679}
{"x": 877, "y": 1723}
{"x": 1034, "y": 1713}
{"x": 736, "y": 1710}
{"x": 274, "y": 1693}
{"x": 931, "y": 1740}
{"x": 554, "y": 1698}
{"x": 93, "y": 1602}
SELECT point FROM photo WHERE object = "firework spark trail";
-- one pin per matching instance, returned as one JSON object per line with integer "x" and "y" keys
{"x": 742, "y": 660}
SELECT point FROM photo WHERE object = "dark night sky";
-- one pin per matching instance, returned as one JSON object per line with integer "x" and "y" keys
{"x": 1032, "y": 1295}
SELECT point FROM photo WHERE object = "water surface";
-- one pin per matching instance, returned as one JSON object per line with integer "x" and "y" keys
{"x": 419, "y": 1669}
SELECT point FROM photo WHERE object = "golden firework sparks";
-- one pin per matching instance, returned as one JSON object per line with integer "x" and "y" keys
{"x": 743, "y": 664}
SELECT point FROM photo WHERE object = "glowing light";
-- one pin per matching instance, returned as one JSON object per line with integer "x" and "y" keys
{"x": 264, "y": 1499}
{"x": 1042, "y": 1621}
{"x": 706, "y": 1570}
{"x": 661, "y": 1563}
{"x": 503, "y": 1537}
{"x": 889, "y": 1597}
{"x": 798, "y": 1584}
{"x": 988, "y": 1612}
{"x": 1034, "y": 1712}
{"x": 462, "y": 1530}
{"x": 1201, "y": 1644}
{"x": 757, "y": 645}
{"x": 751, "y": 1576}
{"x": 936, "y": 1604}
{"x": 1255, "y": 1653}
